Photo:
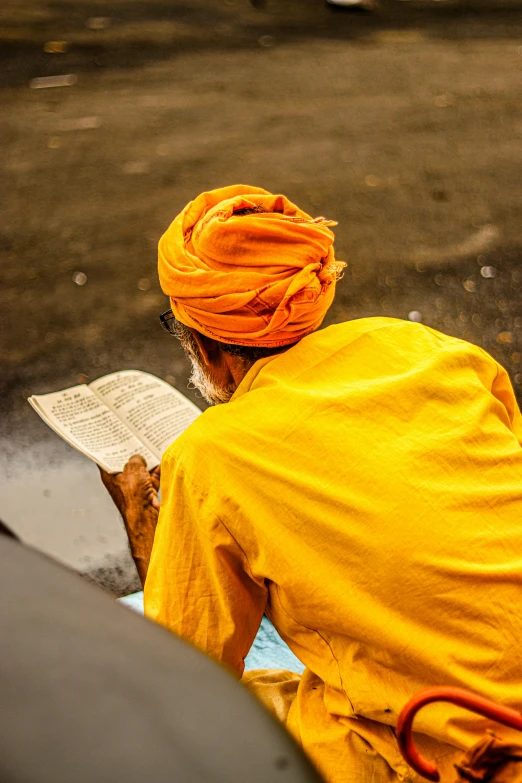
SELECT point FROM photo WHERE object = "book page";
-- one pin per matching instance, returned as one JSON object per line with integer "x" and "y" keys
{"x": 150, "y": 407}
{"x": 83, "y": 420}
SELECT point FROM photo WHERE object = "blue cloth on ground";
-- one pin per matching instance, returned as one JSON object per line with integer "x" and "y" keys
{"x": 268, "y": 651}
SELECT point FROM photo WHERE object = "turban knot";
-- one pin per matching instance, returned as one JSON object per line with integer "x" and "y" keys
{"x": 244, "y": 266}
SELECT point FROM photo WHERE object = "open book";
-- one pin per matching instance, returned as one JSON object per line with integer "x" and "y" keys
{"x": 114, "y": 417}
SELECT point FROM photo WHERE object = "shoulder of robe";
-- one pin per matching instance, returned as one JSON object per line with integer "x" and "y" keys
{"x": 202, "y": 439}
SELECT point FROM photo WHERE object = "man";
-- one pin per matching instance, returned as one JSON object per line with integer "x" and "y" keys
{"x": 361, "y": 486}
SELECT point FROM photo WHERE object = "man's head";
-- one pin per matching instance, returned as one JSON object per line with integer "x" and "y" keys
{"x": 218, "y": 368}
{"x": 248, "y": 274}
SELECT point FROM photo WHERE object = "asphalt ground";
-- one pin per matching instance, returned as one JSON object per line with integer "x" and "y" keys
{"x": 402, "y": 124}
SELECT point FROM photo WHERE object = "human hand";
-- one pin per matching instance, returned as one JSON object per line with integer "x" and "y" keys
{"x": 155, "y": 476}
{"x": 134, "y": 488}
{"x": 135, "y": 493}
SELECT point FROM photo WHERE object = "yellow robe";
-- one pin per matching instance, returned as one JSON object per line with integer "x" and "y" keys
{"x": 364, "y": 490}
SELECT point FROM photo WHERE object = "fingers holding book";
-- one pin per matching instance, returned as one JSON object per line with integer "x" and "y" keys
{"x": 139, "y": 482}
{"x": 155, "y": 477}
{"x": 134, "y": 487}
{"x": 135, "y": 493}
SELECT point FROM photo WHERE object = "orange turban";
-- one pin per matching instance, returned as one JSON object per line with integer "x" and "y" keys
{"x": 263, "y": 279}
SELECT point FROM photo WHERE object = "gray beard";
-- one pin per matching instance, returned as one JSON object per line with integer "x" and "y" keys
{"x": 200, "y": 377}
{"x": 203, "y": 381}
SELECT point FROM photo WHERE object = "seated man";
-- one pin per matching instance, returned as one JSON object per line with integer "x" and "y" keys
{"x": 361, "y": 487}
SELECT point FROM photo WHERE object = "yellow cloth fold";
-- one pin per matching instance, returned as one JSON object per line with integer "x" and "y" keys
{"x": 261, "y": 279}
{"x": 364, "y": 490}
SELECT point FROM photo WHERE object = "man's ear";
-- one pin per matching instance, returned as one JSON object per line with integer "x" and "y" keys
{"x": 208, "y": 348}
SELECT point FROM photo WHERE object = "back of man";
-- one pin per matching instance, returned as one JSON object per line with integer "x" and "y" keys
{"x": 363, "y": 490}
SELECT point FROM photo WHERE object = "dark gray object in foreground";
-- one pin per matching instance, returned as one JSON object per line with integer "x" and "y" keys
{"x": 93, "y": 692}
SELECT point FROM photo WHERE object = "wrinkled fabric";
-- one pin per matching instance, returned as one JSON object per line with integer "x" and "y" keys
{"x": 263, "y": 279}
{"x": 364, "y": 490}
{"x": 491, "y": 760}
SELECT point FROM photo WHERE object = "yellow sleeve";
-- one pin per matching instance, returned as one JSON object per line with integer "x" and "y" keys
{"x": 199, "y": 584}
